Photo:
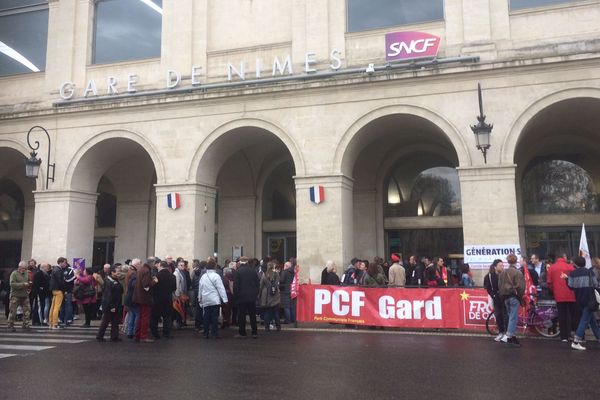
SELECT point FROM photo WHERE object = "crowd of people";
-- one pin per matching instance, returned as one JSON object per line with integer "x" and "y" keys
{"x": 570, "y": 284}
{"x": 140, "y": 295}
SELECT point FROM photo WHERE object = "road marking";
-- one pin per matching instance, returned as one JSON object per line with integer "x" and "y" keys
{"x": 41, "y": 340}
{"x": 24, "y": 347}
{"x": 92, "y": 335}
{"x": 6, "y": 355}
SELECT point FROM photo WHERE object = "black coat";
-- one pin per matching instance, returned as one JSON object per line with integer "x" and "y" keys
{"x": 41, "y": 284}
{"x": 246, "y": 285}
{"x": 332, "y": 279}
{"x": 163, "y": 290}
{"x": 112, "y": 294}
{"x": 57, "y": 279}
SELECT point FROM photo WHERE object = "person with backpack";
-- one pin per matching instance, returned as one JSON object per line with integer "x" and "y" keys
{"x": 270, "y": 296}
{"x": 490, "y": 282}
{"x": 584, "y": 283}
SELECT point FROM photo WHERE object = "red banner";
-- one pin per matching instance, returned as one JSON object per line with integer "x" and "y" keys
{"x": 456, "y": 308}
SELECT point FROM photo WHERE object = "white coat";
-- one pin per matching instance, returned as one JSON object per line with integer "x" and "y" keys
{"x": 211, "y": 291}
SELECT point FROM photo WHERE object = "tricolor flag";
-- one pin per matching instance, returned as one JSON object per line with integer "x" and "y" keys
{"x": 584, "y": 250}
{"x": 173, "y": 201}
{"x": 317, "y": 194}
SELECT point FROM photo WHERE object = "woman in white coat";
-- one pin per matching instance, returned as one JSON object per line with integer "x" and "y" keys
{"x": 211, "y": 293}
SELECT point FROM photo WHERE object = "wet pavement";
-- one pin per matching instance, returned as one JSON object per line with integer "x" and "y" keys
{"x": 293, "y": 364}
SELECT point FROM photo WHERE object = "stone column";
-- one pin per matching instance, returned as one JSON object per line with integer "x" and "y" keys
{"x": 28, "y": 216}
{"x": 325, "y": 230}
{"x": 489, "y": 205}
{"x": 130, "y": 231}
{"x": 189, "y": 231}
{"x": 63, "y": 225}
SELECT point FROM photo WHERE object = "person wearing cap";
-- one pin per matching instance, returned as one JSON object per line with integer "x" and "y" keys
{"x": 397, "y": 272}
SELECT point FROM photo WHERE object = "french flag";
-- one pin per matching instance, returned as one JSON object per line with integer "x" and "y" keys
{"x": 317, "y": 194}
{"x": 173, "y": 201}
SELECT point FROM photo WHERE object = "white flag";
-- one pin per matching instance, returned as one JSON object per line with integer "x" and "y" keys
{"x": 584, "y": 251}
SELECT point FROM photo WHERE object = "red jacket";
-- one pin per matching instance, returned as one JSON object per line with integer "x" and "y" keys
{"x": 558, "y": 285}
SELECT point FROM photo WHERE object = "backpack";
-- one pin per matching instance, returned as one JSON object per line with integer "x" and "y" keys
{"x": 273, "y": 287}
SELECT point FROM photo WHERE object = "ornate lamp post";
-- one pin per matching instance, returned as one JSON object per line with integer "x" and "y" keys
{"x": 482, "y": 130}
{"x": 32, "y": 164}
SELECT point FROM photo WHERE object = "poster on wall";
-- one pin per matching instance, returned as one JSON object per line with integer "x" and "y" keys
{"x": 237, "y": 251}
{"x": 486, "y": 254}
{"x": 79, "y": 263}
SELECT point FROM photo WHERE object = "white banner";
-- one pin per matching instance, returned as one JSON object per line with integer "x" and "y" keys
{"x": 486, "y": 254}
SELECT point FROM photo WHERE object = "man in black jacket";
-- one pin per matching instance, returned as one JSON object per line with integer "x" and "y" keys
{"x": 41, "y": 286}
{"x": 57, "y": 287}
{"x": 111, "y": 304}
{"x": 163, "y": 301}
{"x": 245, "y": 290}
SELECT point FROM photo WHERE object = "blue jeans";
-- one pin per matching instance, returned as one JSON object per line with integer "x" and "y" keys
{"x": 290, "y": 312}
{"x": 66, "y": 311}
{"x": 134, "y": 314}
{"x": 44, "y": 307}
{"x": 512, "y": 312}
{"x": 587, "y": 318}
{"x": 271, "y": 313}
{"x": 211, "y": 319}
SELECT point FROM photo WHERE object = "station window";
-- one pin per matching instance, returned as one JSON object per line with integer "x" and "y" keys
{"x": 520, "y": 4}
{"x": 363, "y": 15}
{"x": 23, "y": 36}
{"x": 559, "y": 187}
{"x": 432, "y": 192}
{"x": 126, "y": 30}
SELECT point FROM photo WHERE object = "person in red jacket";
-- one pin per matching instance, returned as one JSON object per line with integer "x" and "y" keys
{"x": 565, "y": 298}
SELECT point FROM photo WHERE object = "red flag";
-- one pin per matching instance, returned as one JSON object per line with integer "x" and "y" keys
{"x": 295, "y": 284}
{"x": 530, "y": 289}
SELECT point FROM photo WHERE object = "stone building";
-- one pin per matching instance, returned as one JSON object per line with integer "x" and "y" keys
{"x": 242, "y": 106}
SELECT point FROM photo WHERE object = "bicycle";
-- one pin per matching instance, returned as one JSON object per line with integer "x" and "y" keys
{"x": 542, "y": 316}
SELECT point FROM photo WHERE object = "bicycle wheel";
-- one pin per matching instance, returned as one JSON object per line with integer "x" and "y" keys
{"x": 490, "y": 324}
{"x": 545, "y": 325}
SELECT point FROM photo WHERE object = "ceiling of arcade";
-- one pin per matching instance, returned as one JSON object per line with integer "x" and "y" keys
{"x": 389, "y": 140}
{"x": 568, "y": 130}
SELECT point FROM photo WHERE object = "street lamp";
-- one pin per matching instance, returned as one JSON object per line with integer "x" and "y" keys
{"x": 32, "y": 164}
{"x": 482, "y": 130}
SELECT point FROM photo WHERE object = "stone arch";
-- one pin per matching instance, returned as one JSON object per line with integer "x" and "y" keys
{"x": 509, "y": 146}
{"x": 24, "y": 150}
{"x": 345, "y": 153}
{"x": 199, "y": 158}
{"x": 140, "y": 140}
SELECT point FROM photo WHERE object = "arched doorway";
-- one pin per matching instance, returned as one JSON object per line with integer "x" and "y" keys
{"x": 122, "y": 174}
{"x": 406, "y": 195}
{"x": 558, "y": 178}
{"x": 252, "y": 169}
{"x": 16, "y": 209}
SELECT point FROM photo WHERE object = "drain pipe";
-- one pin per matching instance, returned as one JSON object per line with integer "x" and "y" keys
{"x": 308, "y": 77}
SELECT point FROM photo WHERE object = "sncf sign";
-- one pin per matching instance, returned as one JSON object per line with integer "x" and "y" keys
{"x": 406, "y": 45}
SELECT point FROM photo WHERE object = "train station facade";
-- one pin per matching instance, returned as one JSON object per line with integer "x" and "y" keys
{"x": 311, "y": 129}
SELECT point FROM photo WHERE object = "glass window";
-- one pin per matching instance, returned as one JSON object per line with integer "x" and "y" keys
{"x": 23, "y": 37}
{"x": 425, "y": 242}
{"x": 432, "y": 192}
{"x": 550, "y": 241}
{"x": 12, "y": 206}
{"x": 279, "y": 198}
{"x": 520, "y": 4}
{"x": 372, "y": 14}
{"x": 127, "y": 30}
{"x": 559, "y": 187}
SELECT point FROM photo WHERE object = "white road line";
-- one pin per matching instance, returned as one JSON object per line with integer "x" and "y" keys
{"x": 24, "y": 347}
{"x": 41, "y": 340}
{"x": 48, "y": 335}
{"x": 3, "y": 355}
